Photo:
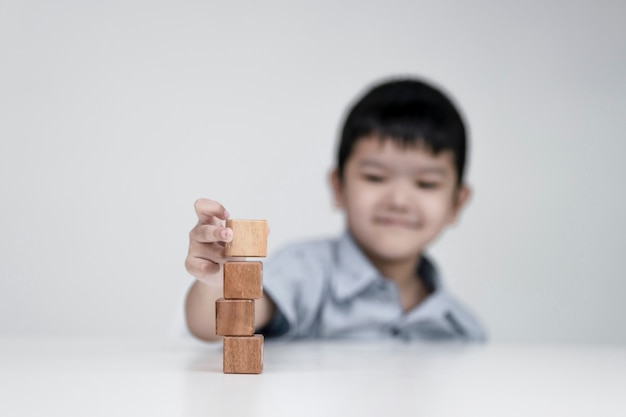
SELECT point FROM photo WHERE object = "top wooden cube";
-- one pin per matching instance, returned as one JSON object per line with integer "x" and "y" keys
{"x": 249, "y": 238}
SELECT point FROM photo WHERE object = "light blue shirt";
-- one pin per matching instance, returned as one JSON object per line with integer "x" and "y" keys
{"x": 329, "y": 289}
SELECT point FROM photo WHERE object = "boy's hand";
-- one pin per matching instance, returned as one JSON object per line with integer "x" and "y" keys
{"x": 206, "y": 241}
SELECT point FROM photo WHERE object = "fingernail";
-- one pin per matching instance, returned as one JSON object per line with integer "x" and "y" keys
{"x": 226, "y": 214}
{"x": 226, "y": 233}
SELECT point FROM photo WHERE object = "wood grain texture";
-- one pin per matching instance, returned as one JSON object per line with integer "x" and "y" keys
{"x": 243, "y": 280}
{"x": 234, "y": 317}
{"x": 249, "y": 238}
{"x": 243, "y": 355}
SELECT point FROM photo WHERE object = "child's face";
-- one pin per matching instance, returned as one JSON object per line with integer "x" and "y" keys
{"x": 397, "y": 200}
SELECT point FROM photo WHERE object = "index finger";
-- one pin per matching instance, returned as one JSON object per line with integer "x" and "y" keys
{"x": 207, "y": 209}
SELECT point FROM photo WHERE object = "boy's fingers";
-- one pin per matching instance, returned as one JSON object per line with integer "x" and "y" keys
{"x": 207, "y": 233}
{"x": 201, "y": 268}
{"x": 207, "y": 209}
{"x": 213, "y": 252}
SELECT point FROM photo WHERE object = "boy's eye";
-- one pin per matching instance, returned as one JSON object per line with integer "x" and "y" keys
{"x": 373, "y": 178}
{"x": 428, "y": 185}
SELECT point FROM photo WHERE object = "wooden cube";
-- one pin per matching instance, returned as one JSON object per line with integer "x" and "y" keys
{"x": 243, "y": 355}
{"x": 234, "y": 317}
{"x": 249, "y": 238}
{"x": 243, "y": 280}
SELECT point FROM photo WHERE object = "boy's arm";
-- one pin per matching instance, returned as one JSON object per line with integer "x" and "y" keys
{"x": 205, "y": 262}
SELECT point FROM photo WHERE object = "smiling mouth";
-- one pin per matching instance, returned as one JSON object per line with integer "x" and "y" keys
{"x": 397, "y": 222}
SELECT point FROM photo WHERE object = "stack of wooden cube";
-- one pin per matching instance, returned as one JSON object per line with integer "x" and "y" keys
{"x": 243, "y": 283}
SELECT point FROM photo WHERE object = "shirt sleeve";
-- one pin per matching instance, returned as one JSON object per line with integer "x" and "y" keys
{"x": 276, "y": 327}
{"x": 293, "y": 280}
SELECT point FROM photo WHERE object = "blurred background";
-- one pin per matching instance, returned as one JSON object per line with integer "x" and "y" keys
{"x": 116, "y": 116}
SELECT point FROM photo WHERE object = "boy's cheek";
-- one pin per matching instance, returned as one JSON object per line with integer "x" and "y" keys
{"x": 360, "y": 199}
{"x": 437, "y": 212}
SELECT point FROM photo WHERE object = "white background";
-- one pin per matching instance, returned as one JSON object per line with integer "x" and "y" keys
{"x": 116, "y": 116}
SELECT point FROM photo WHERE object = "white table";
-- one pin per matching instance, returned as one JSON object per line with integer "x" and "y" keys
{"x": 121, "y": 378}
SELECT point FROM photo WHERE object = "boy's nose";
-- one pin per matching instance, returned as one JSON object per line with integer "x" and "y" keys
{"x": 399, "y": 195}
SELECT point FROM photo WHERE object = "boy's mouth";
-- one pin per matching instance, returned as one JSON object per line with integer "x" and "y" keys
{"x": 395, "y": 221}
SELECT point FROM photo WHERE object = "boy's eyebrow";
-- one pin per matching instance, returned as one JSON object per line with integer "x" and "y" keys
{"x": 432, "y": 170}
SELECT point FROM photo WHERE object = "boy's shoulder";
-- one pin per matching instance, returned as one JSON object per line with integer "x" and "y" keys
{"x": 333, "y": 252}
{"x": 321, "y": 259}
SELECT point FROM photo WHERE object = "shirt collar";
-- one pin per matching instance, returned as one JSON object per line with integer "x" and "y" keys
{"x": 427, "y": 272}
{"x": 357, "y": 272}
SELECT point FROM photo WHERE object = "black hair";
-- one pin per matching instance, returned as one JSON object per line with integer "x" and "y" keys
{"x": 410, "y": 112}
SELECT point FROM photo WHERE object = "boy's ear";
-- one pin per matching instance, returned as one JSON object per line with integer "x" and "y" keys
{"x": 461, "y": 199}
{"x": 335, "y": 184}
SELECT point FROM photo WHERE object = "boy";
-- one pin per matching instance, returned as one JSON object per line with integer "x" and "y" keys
{"x": 399, "y": 181}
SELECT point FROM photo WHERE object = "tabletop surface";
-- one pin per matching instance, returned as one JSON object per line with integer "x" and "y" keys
{"x": 312, "y": 378}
